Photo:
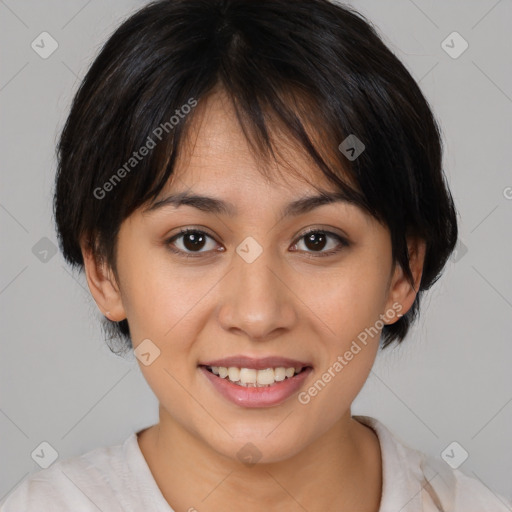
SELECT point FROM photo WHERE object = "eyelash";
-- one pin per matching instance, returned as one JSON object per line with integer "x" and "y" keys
{"x": 343, "y": 242}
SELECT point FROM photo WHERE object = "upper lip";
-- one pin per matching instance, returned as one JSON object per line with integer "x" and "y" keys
{"x": 261, "y": 363}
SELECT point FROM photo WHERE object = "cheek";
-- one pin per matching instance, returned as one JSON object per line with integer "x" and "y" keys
{"x": 349, "y": 304}
{"x": 350, "y": 309}
{"x": 349, "y": 299}
{"x": 158, "y": 298}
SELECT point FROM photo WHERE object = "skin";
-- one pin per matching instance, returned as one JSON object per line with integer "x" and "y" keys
{"x": 315, "y": 456}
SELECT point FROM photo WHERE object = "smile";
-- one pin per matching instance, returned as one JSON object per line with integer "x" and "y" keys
{"x": 250, "y": 377}
{"x": 249, "y": 382}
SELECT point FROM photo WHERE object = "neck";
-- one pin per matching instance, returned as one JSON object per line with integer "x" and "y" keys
{"x": 341, "y": 470}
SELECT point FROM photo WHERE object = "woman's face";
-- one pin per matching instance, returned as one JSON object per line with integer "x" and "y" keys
{"x": 254, "y": 293}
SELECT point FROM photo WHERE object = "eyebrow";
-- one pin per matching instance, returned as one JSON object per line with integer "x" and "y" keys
{"x": 221, "y": 207}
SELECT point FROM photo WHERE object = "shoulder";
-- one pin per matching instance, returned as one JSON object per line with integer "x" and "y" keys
{"x": 85, "y": 482}
{"x": 416, "y": 482}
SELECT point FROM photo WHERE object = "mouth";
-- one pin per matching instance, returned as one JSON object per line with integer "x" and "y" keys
{"x": 252, "y": 382}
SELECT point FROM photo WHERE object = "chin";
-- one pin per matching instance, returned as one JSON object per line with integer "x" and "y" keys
{"x": 260, "y": 446}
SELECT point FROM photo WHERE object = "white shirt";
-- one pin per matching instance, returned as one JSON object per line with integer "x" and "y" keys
{"x": 118, "y": 479}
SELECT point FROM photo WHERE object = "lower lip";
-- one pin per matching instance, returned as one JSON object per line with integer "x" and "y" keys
{"x": 257, "y": 397}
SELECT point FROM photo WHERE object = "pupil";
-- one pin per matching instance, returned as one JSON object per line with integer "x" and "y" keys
{"x": 315, "y": 245}
{"x": 195, "y": 238}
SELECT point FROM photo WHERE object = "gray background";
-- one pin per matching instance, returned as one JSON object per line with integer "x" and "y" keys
{"x": 451, "y": 379}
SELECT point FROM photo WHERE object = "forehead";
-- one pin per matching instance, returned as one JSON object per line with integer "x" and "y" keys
{"x": 217, "y": 171}
{"x": 216, "y": 153}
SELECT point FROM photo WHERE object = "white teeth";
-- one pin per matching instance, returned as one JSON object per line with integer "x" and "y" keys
{"x": 233, "y": 374}
{"x": 266, "y": 376}
{"x": 249, "y": 377}
{"x": 279, "y": 374}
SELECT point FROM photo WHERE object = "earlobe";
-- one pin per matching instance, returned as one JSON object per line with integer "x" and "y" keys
{"x": 401, "y": 291}
{"x": 103, "y": 286}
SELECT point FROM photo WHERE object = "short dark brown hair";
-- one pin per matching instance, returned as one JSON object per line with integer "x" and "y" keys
{"x": 301, "y": 63}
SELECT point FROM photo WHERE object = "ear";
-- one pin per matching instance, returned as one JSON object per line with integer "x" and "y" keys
{"x": 103, "y": 286}
{"x": 401, "y": 292}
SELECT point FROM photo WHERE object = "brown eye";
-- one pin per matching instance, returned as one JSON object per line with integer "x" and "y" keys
{"x": 191, "y": 241}
{"x": 317, "y": 240}
{"x": 194, "y": 241}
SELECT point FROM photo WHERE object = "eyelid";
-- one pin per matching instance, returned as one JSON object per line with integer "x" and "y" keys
{"x": 327, "y": 230}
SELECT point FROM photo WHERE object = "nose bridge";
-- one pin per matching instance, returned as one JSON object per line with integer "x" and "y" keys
{"x": 256, "y": 300}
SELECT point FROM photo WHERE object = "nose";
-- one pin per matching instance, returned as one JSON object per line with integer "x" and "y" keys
{"x": 257, "y": 299}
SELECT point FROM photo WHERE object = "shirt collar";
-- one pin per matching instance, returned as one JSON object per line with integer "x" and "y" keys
{"x": 402, "y": 475}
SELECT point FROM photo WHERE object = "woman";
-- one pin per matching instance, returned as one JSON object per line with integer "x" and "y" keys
{"x": 255, "y": 193}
